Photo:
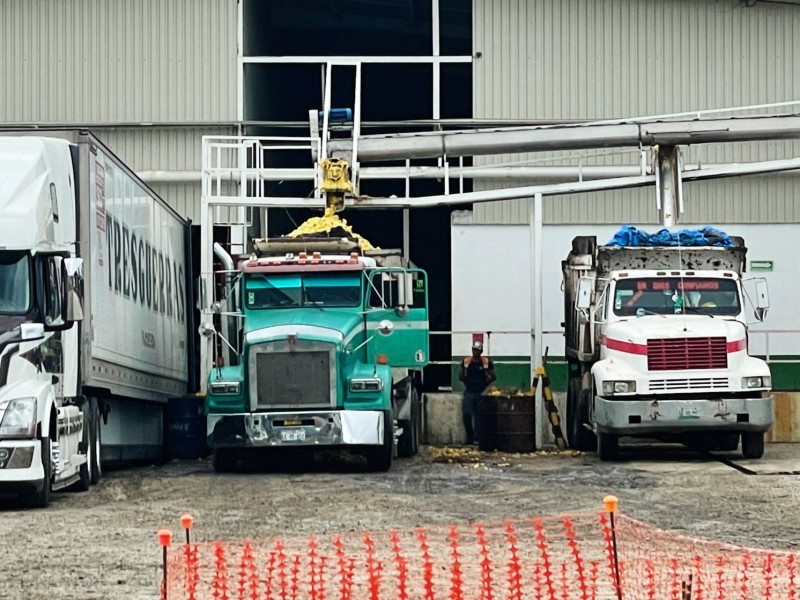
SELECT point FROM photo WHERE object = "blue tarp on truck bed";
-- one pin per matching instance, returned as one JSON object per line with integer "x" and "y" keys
{"x": 628, "y": 235}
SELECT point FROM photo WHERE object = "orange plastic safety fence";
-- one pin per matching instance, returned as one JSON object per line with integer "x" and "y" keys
{"x": 580, "y": 557}
{"x": 670, "y": 566}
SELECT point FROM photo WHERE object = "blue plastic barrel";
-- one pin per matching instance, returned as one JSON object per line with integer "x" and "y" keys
{"x": 186, "y": 427}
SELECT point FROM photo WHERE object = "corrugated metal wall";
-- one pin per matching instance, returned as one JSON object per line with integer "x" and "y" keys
{"x": 598, "y": 59}
{"x": 161, "y": 150}
{"x": 124, "y": 61}
{"x": 118, "y": 60}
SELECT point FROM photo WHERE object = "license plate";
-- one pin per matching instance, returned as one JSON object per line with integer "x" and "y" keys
{"x": 689, "y": 413}
{"x": 293, "y": 435}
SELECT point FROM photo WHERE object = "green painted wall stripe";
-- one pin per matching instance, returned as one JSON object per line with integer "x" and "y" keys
{"x": 785, "y": 376}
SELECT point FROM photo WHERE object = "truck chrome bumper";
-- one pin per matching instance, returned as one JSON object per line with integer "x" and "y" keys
{"x": 628, "y": 417}
{"x": 21, "y": 466}
{"x": 314, "y": 428}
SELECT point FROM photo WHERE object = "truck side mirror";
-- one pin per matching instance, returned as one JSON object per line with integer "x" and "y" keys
{"x": 762, "y": 298}
{"x": 52, "y": 298}
{"x": 73, "y": 301}
{"x": 583, "y": 301}
{"x": 406, "y": 290}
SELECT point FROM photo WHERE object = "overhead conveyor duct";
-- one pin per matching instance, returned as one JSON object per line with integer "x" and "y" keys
{"x": 434, "y": 144}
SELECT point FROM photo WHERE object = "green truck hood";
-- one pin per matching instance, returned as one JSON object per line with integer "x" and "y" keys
{"x": 338, "y": 323}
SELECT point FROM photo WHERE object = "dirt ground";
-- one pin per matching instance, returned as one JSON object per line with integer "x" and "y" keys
{"x": 102, "y": 544}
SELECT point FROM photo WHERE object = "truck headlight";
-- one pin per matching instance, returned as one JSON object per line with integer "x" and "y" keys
{"x": 18, "y": 418}
{"x": 749, "y": 383}
{"x": 618, "y": 387}
{"x": 366, "y": 385}
{"x": 225, "y": 387}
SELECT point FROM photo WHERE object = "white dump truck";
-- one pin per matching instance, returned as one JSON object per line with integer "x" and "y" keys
{"x": 656, "y": 344}
{"x": 94, "y": 313}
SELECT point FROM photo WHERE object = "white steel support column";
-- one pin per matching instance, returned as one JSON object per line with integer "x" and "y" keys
{"x": 326, "y": 109}
{"x": 354, "y": 166}
{"x": 535, "y": 232}
{"x": 436, "y": 65}
{"x": 407, "y": 219}
{"x": 206, "y": 291}
{"x": 240, "y": 64}
{"x": 668, "y": 183}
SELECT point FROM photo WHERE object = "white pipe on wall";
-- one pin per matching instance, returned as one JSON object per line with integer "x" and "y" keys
{"x": 555, "y": 173}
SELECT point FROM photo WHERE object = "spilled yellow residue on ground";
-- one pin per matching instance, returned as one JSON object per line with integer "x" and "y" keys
{"x": 328, "y": 221}
{"x": 479, "y": 459}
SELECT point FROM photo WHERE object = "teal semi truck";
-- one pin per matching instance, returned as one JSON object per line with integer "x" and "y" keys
{"x": 326, "y": 344}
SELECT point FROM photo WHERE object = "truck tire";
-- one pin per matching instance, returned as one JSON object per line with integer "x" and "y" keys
{"x": 728, "y": 441}
{"x": 607, "y": 446}
{"x": 41, "y": 499}
{"x": 580, "y": 438}
{"x": 379, "y": 458}
{"x": 408, "y": 444}
{"x": 224, "y": 459}
{"x": 96, "y": 419}
{"x": 752, "y": 444}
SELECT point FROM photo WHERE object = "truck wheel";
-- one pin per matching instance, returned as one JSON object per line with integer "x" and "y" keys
{"x": 224, "y": 460}
{"x": 752, "y": 444}
{"x": 41, "y": 499}
{"x": 728, "y": 441}
{"x": 96, "y": 419}
{"x": 607, "y": 446}
{"x": 408, "y": 444}
{"x": 379, "y": 458}
{"x": 580, "y": 438}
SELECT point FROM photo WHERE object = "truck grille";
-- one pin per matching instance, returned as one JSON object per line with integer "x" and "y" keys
{"x": 677, "y": 354}
{"x": 293, "y": 379}
{"x": 714, "y": 383}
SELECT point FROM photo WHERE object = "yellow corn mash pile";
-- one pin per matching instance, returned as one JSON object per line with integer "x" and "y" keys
{"x": 325, "y": 223}
{"x": 508, "y": 391}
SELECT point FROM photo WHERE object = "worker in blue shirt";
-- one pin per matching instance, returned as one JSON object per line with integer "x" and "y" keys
{"x": 476, "y": 372}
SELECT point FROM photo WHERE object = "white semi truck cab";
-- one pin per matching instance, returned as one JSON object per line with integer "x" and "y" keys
{"x": 656, "y": 343}
{"x": 44, "y": 443}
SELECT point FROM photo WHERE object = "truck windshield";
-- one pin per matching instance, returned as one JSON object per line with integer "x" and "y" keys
{"x": 670, "y": 295}
{"x": 15, "y": 283}
{"x": 295, "y": 290}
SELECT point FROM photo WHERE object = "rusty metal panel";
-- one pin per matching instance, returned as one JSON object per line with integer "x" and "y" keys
{"x": 614, "y": 258}
{"x": 600, "y": 59}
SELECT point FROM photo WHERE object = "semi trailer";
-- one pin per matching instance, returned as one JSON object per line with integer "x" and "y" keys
{"x": 95, "y": 313}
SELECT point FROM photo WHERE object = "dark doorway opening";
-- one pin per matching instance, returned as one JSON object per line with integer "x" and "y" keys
{"x": 395, "y": 92}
